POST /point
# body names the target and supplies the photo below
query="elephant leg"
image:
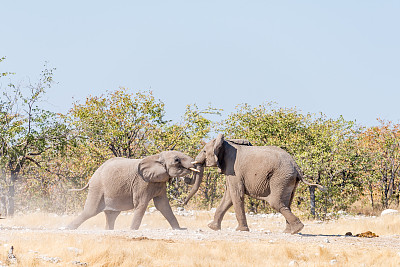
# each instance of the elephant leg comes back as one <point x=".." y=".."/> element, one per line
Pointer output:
<point x="288" y="228"/>
<point x="111" y="216"/>
<point x="236" y="190"/>
<point x="94" y="205"/>
<point x="138" y="214"/>
<point x="223" y="207"/>
<point x="162" y="204"/>
<point x="294" y="223"/>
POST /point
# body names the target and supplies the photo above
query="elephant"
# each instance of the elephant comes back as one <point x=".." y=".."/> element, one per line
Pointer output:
<point x="122" y="184"/>
<point x="263" y="172"/>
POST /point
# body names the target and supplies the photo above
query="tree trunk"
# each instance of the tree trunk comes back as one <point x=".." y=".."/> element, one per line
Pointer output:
<point x="312" y="200"/>
<point x="372" y="200"/>
<point x="11" y="194"/>
<point x="10" y="202"/>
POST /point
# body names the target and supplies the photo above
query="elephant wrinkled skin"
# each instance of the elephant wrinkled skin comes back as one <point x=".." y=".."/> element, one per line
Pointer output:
<point x="123" y="184"/>
<point x="263" y="172"/>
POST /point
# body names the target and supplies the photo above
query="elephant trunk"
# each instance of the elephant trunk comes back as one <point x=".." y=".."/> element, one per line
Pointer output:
<point x="198" y="177"/>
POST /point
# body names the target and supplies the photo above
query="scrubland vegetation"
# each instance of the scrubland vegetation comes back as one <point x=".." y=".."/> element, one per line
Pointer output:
<point x="44" y="153"/>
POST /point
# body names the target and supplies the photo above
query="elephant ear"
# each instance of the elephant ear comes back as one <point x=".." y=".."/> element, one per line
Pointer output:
<point x="219" y="141"/>
<point x="218" y="144"/>
<point x="152" y="169"/>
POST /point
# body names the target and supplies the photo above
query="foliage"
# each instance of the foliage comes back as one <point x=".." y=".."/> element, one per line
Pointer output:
<point x="380" y="150"/>
<point x="27" y="132"/>
<point x="266" y="125"/>
<point x="187" y="136"/>
<point x="329" y="157"/>
<point x="121" y="122"/>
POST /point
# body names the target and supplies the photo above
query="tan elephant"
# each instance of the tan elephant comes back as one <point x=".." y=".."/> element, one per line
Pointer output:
<point x="123" y="184"/>
<point x="263" y="172"/>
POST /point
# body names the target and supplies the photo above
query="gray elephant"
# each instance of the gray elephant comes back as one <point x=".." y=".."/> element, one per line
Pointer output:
<point x="263" y="172"/>
<point x="122" y="184"/>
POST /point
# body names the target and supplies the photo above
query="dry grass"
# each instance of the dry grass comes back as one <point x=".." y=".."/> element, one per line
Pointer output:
<point x="118" y="251"/>
<point x="386" y="225"/>
<point x="107" y="250"/>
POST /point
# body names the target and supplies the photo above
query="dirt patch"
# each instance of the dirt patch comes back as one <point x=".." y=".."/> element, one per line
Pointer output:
<point x="201" y="235"/>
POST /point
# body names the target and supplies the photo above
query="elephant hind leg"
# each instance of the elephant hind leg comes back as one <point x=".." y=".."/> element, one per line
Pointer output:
<point x="93" y="206"/>
<point x="111" y="216"/>
<point x="288" y="228"/>
<point x="293" y="224"/>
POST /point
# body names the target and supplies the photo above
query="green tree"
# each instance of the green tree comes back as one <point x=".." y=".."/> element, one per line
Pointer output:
<point x="328" y="156"/>
<point x="380" y="149"/>
<point x="267" y="125"/>
<point x="189" y="136"/>
<point x="26" y="133"/>
<point x="121" y="122"/>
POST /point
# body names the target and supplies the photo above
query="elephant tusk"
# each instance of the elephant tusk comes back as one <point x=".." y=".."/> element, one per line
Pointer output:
<point x="195" y="162"/>
<point x="193" y="169"/>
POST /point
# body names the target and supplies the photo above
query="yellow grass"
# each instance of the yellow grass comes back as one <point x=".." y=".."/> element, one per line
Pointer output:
<point x="108" y="250"/>
<point x="119" y="251"/>
<point x="386" y="225"/>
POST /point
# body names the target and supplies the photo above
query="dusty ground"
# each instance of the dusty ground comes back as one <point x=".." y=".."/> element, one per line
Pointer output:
<point x="388" y="241"/>
<point x="263" y="227"/>
<point x="266" y="229"/>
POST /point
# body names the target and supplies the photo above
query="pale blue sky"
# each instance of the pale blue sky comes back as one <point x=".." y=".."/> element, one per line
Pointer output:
<point x="335" y="57"/>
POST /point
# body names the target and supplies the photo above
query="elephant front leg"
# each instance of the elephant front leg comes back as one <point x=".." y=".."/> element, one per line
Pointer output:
<point x="138" y="214"/>
<point x="225" y="204"/>
<point x="162" y="204"/>
<point x="236" y="190"/>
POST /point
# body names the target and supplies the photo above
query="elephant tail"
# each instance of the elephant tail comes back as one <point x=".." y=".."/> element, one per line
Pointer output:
<point x="301" y="178"/>
<point x="80" y="189"/>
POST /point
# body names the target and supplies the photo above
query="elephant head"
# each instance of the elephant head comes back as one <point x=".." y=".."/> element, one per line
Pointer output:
<point x="212" y="155"/>
<point x="161" y="167"/>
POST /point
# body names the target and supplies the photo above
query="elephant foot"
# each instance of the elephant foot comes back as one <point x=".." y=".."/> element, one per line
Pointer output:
<point x="214" y="226"/>
<point x="288" y="229"/>
<point x="71" y="227"/>
<point x="179" y="228"/>
<point x="296" y="227"/>
<point x="242" y="228"/>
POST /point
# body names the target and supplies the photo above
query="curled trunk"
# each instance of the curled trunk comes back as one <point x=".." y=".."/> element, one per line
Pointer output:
<point x="198" y="179"/>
